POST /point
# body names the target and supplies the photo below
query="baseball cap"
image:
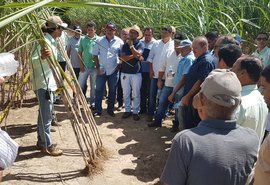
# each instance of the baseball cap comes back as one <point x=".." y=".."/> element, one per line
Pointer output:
<point x="55" y="21"/>
<point x="222" y="87"/>
<point x="111" y="26"/>
<point x="237" y="38"/>
<point x="77" y="28"/>
<point x="185" y="43"/>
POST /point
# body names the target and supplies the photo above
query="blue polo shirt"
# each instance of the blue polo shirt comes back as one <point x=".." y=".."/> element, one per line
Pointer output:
<point x="183" y="69"/>
<point x="200" y="69"/>
<point x="134" y="62"/>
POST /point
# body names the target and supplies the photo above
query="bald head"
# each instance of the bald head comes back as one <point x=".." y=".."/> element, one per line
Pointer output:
<point x="200" y="46"/>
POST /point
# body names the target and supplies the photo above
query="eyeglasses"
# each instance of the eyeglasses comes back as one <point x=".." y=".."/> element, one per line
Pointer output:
<point x="262" y="39"/>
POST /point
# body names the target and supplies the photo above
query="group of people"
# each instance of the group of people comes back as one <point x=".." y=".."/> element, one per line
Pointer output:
<point x="221" y="95"/>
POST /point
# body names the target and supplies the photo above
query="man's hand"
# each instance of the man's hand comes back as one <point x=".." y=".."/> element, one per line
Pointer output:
<point x="130" y="43"/>
<point x="151" y="74"/>
<point x="170" y="98"/>
<point x="45" y="53"/>
<point x="185" y="100"/>
<point x="160" y="84"/>
<point x="82" y="69"/>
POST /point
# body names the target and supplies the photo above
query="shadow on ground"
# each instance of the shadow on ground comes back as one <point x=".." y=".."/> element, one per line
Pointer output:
<point x="45" y="177"/>
<point x="150" y="146"/>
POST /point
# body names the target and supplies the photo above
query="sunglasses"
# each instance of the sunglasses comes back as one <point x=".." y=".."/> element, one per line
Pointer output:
<point x="262" y="39"/>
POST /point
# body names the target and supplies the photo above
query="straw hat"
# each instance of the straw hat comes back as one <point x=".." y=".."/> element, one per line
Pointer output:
<point x="137" y="29"/>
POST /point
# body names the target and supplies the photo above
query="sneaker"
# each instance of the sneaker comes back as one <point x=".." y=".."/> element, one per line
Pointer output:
<point x="52" y="151"/>
<point x="175" y="128"/>
<point x="111" y="113"/>
<point x="149" y="118"/>
<point x="153" y="124"/>
<point x="126" y="115"/>
<point x="96" y="114"/>
<point x="39" y="147"/>
<point x="136" y="117"/>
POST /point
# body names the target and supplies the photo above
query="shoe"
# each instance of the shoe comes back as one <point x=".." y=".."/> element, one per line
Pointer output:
<point x="119" y="108"/>
<point x="96" y="114"/>
<point x="175" y="128"/>
<point x="54" y="123"/>
<point x="149" y="118"/>
<point x="53" y="130"/>
<point x="136" y="117"/>
<point x="52" y="150"/>
<point x="111" y="113"/>
<point x="38" y="147"/>
<point x="153" y="124"/>
<point x="126" y="115"/>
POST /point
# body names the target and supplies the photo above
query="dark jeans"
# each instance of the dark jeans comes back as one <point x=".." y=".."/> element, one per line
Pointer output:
<point x="119" y="93"/>
<point x="191" y="116"/>
<point x="77" y="72"/>
<point x="100" y="86"/>
<point x="145" y="91"/>
<point x="153" y="97"/>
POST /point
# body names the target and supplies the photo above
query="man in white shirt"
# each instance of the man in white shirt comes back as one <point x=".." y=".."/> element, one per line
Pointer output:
<point x="253" y="110"/>
<point x="156" y="54"/>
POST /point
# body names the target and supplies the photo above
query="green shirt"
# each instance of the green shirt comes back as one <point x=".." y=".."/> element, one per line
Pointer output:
<point x="86" y="47"/>
<point x="264" y="55"/>
<point x="42" y="75"/>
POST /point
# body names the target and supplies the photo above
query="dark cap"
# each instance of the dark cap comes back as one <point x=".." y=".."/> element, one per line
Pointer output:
<point x="167" y="28"/>
<point x="77" y="28"/>
<point x="111" y="26"/>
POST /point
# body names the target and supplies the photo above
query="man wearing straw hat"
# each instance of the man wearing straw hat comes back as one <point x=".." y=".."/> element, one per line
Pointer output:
<point x="44" y="84"/>
<point x="131" y="77"/>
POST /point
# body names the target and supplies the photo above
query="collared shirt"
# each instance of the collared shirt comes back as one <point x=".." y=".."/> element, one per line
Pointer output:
<point x="199" y="70"/>
<point x="146" y="51"/>
<point x="253" y="110"/>
<point x="42" y="75"/>
<point x="132" y="66"/>
<point x="63" y="39"/>
<point x="86" y="46"/>
<point x="264" y="55"/>
<point x="170" y="61"/>
<point x="73" y="45"/>
<point x="183" y="69"/>
<point x="157" y="53"/>
<point x="108" y="52"/>
<point x="217" y="152"/>
<point x="8" y="150"/>
<point x="262" y="167"/>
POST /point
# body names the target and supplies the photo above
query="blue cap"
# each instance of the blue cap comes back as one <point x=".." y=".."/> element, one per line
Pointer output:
<point x="185" y="43"/>
<point x="237" y="38"/>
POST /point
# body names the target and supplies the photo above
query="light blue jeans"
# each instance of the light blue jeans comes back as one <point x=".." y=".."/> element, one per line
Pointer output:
<point x="134" y="82"/>
<point x="44" y="117"/>
<point x="83" y="76"/>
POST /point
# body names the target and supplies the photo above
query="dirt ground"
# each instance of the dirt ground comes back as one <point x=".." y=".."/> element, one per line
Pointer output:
<point x="137" y="154"/>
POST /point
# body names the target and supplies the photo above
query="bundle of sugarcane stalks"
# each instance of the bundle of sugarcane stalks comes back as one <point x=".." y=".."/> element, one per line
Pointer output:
<point x="83" y="123"/>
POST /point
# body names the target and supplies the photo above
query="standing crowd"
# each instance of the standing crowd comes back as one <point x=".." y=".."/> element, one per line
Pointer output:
<point x="221" y="96"/>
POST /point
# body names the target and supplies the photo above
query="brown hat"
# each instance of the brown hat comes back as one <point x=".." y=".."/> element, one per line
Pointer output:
<point x="222" y="87"/>
<point x="55" y="21"/>
<point x="137" y="29"/>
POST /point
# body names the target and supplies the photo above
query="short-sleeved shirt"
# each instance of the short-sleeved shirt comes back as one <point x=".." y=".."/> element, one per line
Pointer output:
<point x="108" y="52"/>
<point x="42" y="75"/>
<point x="171" y="60"/>
<point x="73" y="45"/>
<point x="253" y="110"/>
<point x="86" y="46"/>
<point x="8" y="150"/>
<point x="183" y="69"/>
<point x="63" y="39"/>
<point x="146" y="51"/>
<point x="217" y="152"/>
<point x="136" y="66"/>
<point x="264" y="55"/>
<point x="199" y="70"/>
<point x="157" y="54"/>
